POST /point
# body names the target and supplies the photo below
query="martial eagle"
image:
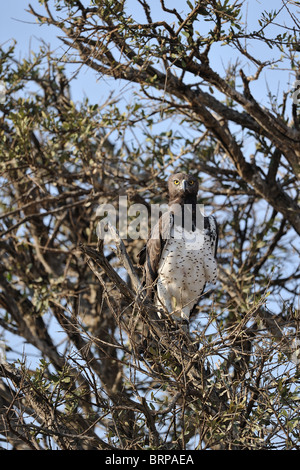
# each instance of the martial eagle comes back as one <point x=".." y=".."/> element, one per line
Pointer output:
<point x="180" y="255"/>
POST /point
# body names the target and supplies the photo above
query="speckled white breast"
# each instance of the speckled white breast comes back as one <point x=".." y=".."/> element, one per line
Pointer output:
<point x="187" y="264"/>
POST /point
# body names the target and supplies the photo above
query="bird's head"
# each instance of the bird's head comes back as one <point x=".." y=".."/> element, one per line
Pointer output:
<point x="183" y="185"/>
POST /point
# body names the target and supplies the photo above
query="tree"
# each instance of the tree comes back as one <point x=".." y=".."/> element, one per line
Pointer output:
<point x="76" y="306"/>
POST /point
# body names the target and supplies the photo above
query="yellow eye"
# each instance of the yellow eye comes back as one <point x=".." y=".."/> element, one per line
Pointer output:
<point x="191" y="183"/>
<point x="176" y="182"/>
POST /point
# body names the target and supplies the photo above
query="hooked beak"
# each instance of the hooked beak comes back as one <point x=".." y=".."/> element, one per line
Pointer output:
<point x="184" y="185"/>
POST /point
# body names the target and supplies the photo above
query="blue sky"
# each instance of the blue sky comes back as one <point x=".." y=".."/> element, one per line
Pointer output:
<point x="16" y="23"/>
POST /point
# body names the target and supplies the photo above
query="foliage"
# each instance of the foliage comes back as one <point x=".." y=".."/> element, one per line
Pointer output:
<point x="71" y="310"/>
